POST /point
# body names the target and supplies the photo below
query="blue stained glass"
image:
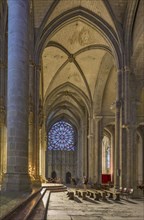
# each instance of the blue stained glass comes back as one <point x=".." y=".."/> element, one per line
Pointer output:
<point x="108" y="158"/>
<point x="61" y="137"/>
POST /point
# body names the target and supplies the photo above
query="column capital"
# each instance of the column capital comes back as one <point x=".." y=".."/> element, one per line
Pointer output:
<point x="90" y="118"/>
<point x="130" y="126"/>
<point x="116" y="104"/>
<point x="90" y="136"/>
<point x="97" y="117"/>
<point x="126" y="68"/>
<point x="31" y="63"/>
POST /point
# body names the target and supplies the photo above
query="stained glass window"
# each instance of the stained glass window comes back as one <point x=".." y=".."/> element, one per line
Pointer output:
<point x="61" y="136"/>
<point x="106" y="154"/>
<point x="108" y="157"/>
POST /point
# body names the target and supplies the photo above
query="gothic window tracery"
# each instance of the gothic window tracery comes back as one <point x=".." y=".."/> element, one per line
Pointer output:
<point x="61" y="136"/>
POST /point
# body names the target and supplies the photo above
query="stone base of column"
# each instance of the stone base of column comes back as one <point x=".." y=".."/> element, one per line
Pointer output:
<point x="138" y="193"/>
<point x="36" y="181"/>
<point x="16" y="183"/>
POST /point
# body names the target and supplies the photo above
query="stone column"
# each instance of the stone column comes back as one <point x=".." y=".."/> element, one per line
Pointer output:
<point x="90" y="156"/>
<point x="126" y="93"/>
<point x="131" y="146"/>
<point x="44" y="148"/>
<point x="84" y="149"/>
<point x="98" y="149"/>
<point x="31" y="139"/>
<point x="124" y="122"/>
<point x="117" y="171"/>
<point x="90" y="149"/>
<point x="112" y="154"/>
<point x="17" y="178"/>
<point x="80" y="152"/>
<point x="129" y="166"/>
<point x="2" y="144"/>
<point x="37" y="123"/>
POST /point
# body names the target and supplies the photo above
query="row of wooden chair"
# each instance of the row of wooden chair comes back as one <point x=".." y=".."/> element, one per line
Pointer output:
<point x="125" y="192"/>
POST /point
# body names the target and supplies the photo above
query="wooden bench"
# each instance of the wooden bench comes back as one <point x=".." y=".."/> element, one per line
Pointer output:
<point x="93" y="194"/>
<point x="102" y="193"/>
<point x="70" y="195"/>
<point x="81" y="193"/>
<point x="113" y="194"/>
<point x="127" y="193"/>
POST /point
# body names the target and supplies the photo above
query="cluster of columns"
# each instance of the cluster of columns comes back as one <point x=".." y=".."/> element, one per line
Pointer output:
<point x="124" y="152"/>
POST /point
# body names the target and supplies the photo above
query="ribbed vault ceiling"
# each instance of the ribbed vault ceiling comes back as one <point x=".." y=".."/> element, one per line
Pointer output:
<point x="78" y="68"/>
<point x="75" y="54"/>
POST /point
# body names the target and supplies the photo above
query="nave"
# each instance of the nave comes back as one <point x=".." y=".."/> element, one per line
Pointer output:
<point x="53" y="203"/>
<point x="71" y="101"/>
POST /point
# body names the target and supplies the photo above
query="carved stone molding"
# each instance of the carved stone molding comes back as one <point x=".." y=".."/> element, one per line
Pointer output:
<point x="98" y="117"/>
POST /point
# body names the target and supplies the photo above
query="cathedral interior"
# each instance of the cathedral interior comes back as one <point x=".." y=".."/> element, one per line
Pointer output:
<point x="71" y="92"/>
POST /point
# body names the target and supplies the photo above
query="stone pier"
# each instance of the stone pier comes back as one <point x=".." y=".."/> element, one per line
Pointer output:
<point x="16" y="177"/>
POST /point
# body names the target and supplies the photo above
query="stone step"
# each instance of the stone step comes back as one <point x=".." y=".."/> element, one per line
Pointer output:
<point x="55" y="187"/>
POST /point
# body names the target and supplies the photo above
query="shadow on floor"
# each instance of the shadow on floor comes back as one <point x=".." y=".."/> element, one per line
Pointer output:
<point x="91" y="200"/>
<point x="76" y="199"/>
<point x="129" y="201"/>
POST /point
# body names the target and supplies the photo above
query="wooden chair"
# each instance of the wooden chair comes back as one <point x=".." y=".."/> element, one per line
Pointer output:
<point x="127" y="192"/>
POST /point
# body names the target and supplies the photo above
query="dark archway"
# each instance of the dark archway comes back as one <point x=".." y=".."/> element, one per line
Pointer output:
<point x="68" y="178"/>
<point x="53" y="175"/>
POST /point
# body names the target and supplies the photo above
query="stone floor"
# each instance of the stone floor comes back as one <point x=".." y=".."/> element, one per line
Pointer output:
<point x="61" y="208"/>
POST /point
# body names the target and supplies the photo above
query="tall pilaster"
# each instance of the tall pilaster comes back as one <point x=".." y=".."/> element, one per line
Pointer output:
<point x="90" y="156"/>
<point x="38" y="117"/>
<point x="98" y="149"/>
<point x="80" y="152"/>
<point x="43" y="152"/>
<point x="2" y="144"/>
<point x="31" y="139"/>
<point x="90" y="149"/>
<point x="112" y="153"/>
<point x="130" y="156"/>
<point x="16" y="177"/>
<point x="84" y="149"/>
<point x="130" y="128"/>
<point x="126" y="93"/>
<point x="117" y="171"/>
<point x="31" y="119"/>
<point x="124" y="122"/>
